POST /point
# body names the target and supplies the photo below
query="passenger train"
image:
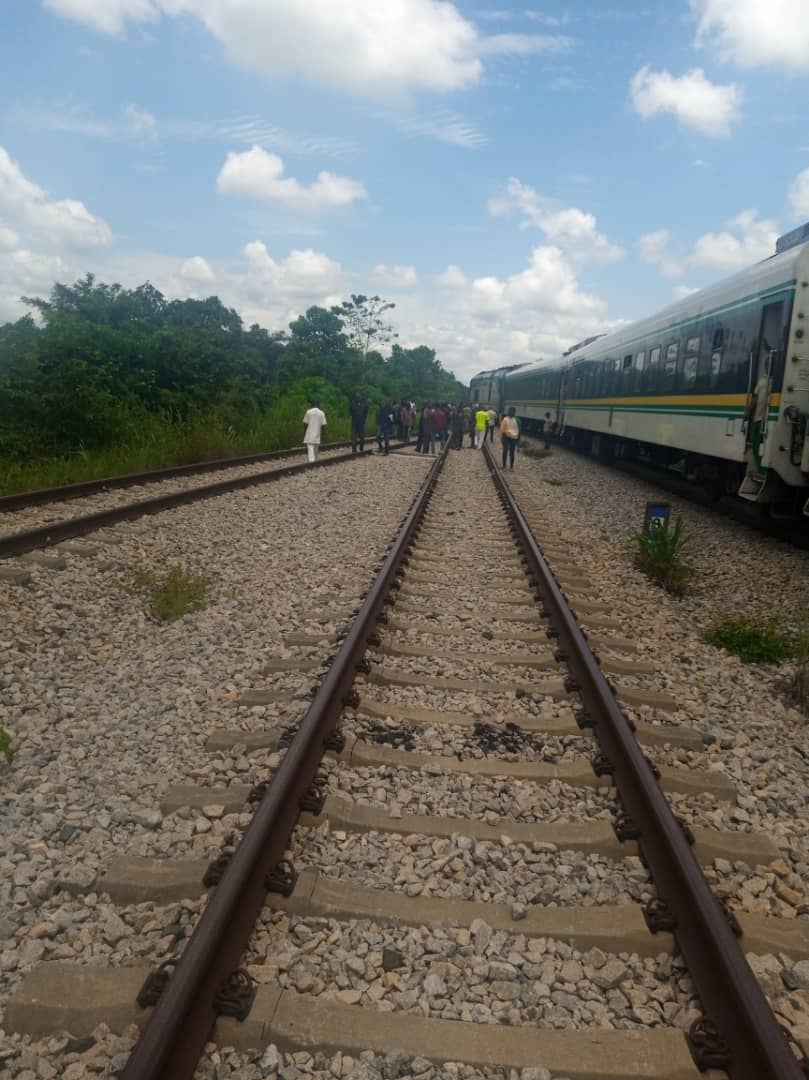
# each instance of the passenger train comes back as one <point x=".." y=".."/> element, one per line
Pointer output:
<point x="716" y="384"/>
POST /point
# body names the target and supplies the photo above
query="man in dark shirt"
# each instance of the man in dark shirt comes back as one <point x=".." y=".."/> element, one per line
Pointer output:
<point x="359" y="413"/>
<point x="384" y="426"/>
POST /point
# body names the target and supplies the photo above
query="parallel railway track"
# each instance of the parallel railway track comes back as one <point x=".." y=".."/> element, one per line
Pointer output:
<point x="738" y="1032"/>
<point x="54" y="532"/>
<point x="41" y="496"/>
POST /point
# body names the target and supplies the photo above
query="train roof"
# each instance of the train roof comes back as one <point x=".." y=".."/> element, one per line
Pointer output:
<point x="496" y="371"/>
<point x="766" y="276"/>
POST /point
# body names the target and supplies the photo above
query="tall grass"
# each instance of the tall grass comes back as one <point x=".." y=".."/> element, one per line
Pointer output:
<point x="162" y="441"/>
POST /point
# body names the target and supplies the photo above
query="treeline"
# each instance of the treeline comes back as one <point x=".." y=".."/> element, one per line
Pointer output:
<point x="105" y="367"/>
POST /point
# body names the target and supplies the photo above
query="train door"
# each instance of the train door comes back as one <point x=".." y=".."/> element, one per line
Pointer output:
<point x="760" y="381"/>
<point x="561" y="404"/>
<point x="764" y="368"/>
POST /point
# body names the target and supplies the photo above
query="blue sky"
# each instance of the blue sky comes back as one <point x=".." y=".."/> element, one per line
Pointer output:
<point x="515" y="178"/>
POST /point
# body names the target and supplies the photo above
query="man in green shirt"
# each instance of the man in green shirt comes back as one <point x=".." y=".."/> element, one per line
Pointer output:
<point x="481" y="421"/>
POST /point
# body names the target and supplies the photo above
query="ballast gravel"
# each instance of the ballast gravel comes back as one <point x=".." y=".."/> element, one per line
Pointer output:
<point x="501" y="872"/>
<point x="474" y="798"/>
<point x="502" y="741"/>
<point x="33" y="517"/>
<point x="750" y="732"/>
<point x="106" y="707"/>
<point x="473" y="974"/>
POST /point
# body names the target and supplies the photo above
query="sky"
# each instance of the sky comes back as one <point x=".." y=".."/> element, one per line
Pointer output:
<point x="513" y="178"/>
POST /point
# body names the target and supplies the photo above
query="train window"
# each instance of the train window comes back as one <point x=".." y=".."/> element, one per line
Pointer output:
<point x="670" y="365"/>
<point x="654" y="357"/>
<point x="692" y="345"/>
<point x="716" y="367"/>
<point x="640" y="360"/>
<point x="690" y="370"/>
<point x="718" y="339"/>
<point x="628" y="361"/>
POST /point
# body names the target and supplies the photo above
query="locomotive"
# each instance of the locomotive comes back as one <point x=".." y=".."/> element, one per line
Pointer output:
<point x="716" y="385"/>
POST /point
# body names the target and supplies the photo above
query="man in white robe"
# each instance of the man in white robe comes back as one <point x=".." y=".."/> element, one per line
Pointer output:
<point x="315" y="421"/>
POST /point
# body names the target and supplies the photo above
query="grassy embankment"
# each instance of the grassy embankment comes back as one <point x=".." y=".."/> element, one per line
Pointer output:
<point x="161" y="442"/>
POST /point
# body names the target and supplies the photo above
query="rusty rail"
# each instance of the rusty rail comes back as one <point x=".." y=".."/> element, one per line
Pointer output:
<point x="176" y="1032"/>
<point x="18" y="500"/>
<point x="58" y="531"/>
<point x="740" y="1033"/>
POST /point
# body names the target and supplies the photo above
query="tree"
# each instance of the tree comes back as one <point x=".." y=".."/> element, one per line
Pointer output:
<point x="362" y="319"/>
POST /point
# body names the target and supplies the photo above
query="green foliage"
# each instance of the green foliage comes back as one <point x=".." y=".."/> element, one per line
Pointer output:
<point x="539" y="453"/>
<point x="361" y="317"/>
<point x="759" y="641"/>
<point x="173" y="594"/>
<point x="553" y="481"/>
<point x="660" y="555"/>
<point x="114" y="380"/>
<point x="5" y="746"/>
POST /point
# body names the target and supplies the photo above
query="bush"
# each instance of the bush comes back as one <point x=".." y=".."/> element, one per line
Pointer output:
<point x="660" y="556"/>
<point x="759" y="641"/>
<point x="5" y="746"/>
<point x="173" y="594"/>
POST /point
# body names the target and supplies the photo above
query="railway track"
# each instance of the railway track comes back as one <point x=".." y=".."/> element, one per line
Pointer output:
<point x="22" y="500"/>
<point x="465" y="592"/>
<point x="34" y="528"/>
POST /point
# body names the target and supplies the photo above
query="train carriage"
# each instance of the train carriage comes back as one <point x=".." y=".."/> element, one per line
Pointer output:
<point x="718" y="381"/>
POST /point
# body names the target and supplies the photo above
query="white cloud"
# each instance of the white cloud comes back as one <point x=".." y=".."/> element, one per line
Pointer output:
<point x="697" y="103"/>
<point x="443" y="126"/>
<point x="653" y="249"/>
<point x="453" y="278"/>
<point x="682" y="292"/>
<point x="307" y="276"/>
<point x="107" y="16"/>
<point x="257" y="174"/>
<point x="524" y="44"/>
<point x="8" y="239"/>
<point x="799" y="195"/>
<point x="198" y="269"/>
<point x="139" y="121"/>
<point x="395" y="276"/>
<point x="66" y="222"/>
<point x="573" y="230"/>
<point x="488" y="320"/>
<point x="746" y="240"/>
<point x="73" y="119"/>
<point x="755" y="34"/>
<point x="27" y="273"/>
<point x="380" y="49"/>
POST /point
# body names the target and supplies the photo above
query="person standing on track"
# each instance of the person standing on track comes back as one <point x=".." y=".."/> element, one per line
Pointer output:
<point x="384" y="426"/>
<point x="315" y="420"/>
<point x="359" y="414"/>
<point x="481" y="422"/>
<point x="491" y="423"/>
<point x="469" y="415"/>
<point x="509" y="433"/>
<point x="458" y="420"/>
<point x="406" y="421"/>
<point x="546" y="431"/>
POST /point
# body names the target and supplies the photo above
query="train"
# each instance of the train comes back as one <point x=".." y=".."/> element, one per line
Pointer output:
<point x="715" y="385"/>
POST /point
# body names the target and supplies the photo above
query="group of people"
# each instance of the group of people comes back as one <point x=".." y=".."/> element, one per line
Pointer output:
<point x="434" y="425"/>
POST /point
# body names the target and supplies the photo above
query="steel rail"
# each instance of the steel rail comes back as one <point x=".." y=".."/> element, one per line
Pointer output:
<point x="175" y="1034"/>
<point x="64" y="493"/>
<point x="731" y="997"/>
<point x="58" y="531"/>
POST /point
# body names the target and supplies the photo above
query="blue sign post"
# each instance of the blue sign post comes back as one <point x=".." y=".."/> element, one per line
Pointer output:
<point x="656" y="517"/>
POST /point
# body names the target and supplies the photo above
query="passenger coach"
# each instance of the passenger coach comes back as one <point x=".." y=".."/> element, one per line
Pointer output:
<point x="718" y="382"/>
